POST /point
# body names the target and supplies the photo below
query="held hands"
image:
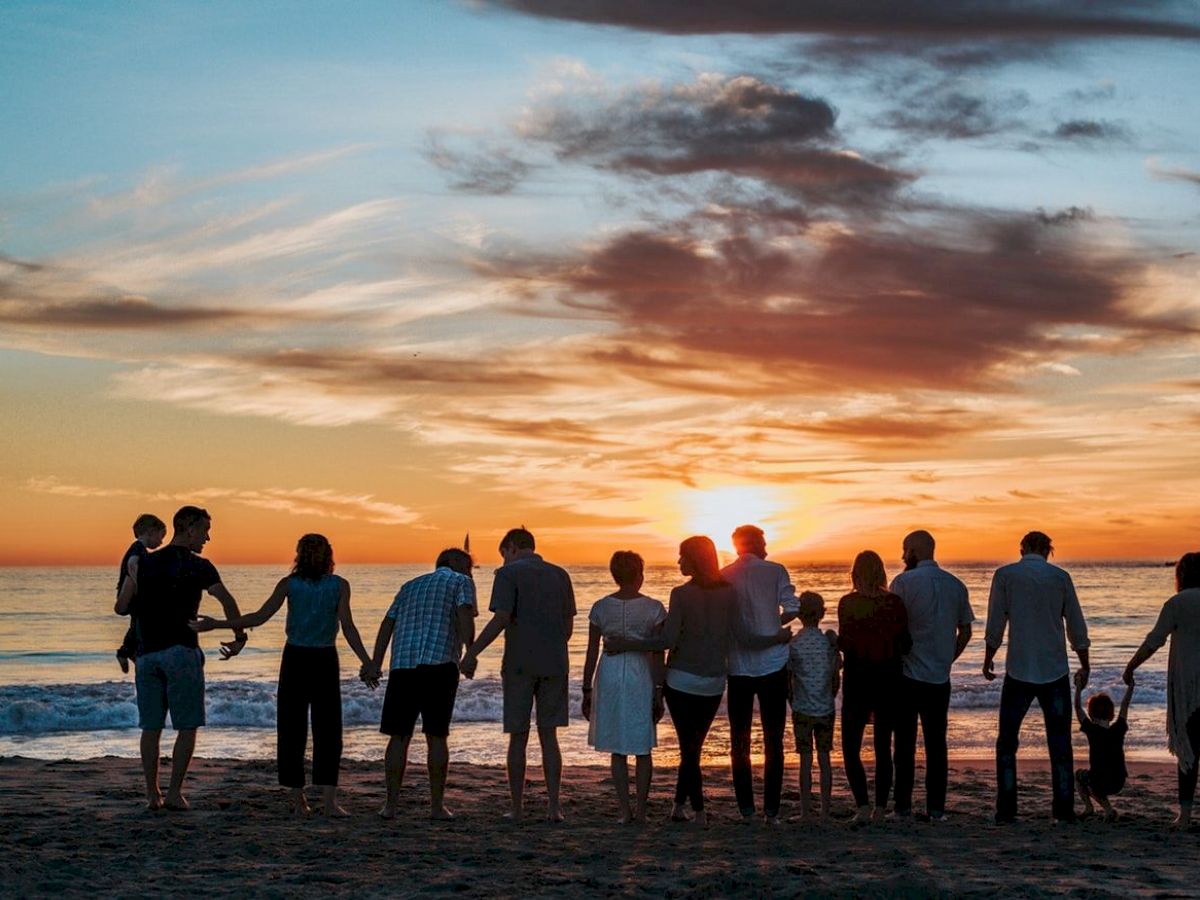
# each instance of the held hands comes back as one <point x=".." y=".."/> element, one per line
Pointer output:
<point x="659" y="707"/>
<point x="586" y="706"/>
<point x="370" y="674"/>
<point x="468" y="665"/>
<point x="989" y="670"/>
<point x="1081" y="678"/>
<point x="200" y="624"/>
<point x="1127" y="676"/>
<point x="784" y="636"/>
<point x="230" y="649"/>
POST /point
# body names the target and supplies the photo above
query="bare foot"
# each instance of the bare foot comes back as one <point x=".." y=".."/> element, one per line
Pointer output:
<point x="299" y="808"/>
<point x="387" y="811"/>
<point x="513" y="817"/>
<point x="1182" y="822"/>
<point x="879" y="815"/>
<point x="862" y="816"/>
<point x="624" y="819"/>
<point x="680" y="814"/>
<point x="441" y="814"/>
<point x="554" y="816"/>
<point x="334" y="811"/>
<point x="176" y="803"/>
<point x="154" y="803"/>
<point x="701" y="819"/>
<point x="1111" y="816"/>
<point x="772" y="821"/>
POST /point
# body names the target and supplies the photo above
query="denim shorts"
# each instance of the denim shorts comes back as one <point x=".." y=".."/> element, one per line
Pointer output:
<point x="170" y="680"/>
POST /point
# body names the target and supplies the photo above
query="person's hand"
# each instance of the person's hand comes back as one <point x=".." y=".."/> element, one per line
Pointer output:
<point x="1127" y="676"/>
<point x="202" y="623"/>
<point x="989" y="670"/>
<point x="784" y="636"/>
<point x="370" y="674"/>
<point x="1081" y="677"/>
<point x="615" y="645"/>
<point x="468" y="665"/>
<point x="230" y="649"/>
<point x="659" y="707"/>
<point x="586" y="706"/>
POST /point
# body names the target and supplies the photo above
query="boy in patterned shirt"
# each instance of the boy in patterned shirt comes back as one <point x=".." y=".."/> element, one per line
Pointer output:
<point x="813" y="664"/>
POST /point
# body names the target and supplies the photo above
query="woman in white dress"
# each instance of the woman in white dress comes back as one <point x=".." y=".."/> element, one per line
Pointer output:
<point x="623" y="703"/>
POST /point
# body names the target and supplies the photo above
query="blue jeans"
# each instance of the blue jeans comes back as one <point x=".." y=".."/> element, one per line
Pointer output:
<point x="1055" y="700"/>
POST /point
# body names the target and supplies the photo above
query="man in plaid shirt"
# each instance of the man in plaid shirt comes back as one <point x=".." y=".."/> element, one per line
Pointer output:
<point x="427" y="624"/>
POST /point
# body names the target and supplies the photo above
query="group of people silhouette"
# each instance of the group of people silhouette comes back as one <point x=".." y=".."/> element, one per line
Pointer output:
<point x="723" y="633"/>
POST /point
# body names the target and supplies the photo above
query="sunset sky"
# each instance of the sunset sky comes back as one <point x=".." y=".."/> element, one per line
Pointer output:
<point x="619" y="271"/>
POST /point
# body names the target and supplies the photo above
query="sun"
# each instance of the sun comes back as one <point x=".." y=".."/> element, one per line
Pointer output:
<point x="717" y="511"/>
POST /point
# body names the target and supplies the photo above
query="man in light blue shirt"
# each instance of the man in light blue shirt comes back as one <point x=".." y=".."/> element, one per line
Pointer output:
<point x="939" y="620"/>
<point x="1033" y="599"/>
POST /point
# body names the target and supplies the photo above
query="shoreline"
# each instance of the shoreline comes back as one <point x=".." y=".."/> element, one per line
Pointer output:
<point x="77" y="827"/>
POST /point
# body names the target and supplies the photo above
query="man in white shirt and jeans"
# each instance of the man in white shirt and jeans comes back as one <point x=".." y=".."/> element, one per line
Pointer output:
<point x="939" y="620"/>
<point x="1034" y="599"/>
<point x="758" y="660"/>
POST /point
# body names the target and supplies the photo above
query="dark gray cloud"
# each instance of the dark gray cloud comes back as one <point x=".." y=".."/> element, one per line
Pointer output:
<point x="937" y="18"/>
<point x="475" y="166"/>
<point x="1091" y="131"/>
<point x="956" y="115"/>
<point x="740" y="126"/>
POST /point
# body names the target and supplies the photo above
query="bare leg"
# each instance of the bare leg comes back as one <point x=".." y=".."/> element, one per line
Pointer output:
<point x="395" y="761"/>
<point x="149" y="747"/>
<point x="1084" y="795"/>
<point x="517" y="742"/>
<point x="439" y="767"/>
<point x="181" y="758"/>
<point x="1184" y="819"/>
<point x="826" y="783"/>
<point x="552" y="770"/>
<point x="620" y="776"/>
<point x="1110" y="814"/>
<point x="806" y="760"/>
<point x="329" y="803"/>
<point x="645" y="774"/>
<point x="298" y="802"/>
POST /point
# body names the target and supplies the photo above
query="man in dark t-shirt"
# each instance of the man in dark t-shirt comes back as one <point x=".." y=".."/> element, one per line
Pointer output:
<point x="164" y="594"/>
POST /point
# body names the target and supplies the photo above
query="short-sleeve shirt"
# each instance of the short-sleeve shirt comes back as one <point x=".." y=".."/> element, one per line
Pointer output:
<point x="539" y="597"/>
<point x="937" y="605"/>
<point x="169" y="584"/>
<point x="812" y="662"/>
<point x="137" y="550"/>
<point x="1106" y="753"/>
<point x="425" y="614"/>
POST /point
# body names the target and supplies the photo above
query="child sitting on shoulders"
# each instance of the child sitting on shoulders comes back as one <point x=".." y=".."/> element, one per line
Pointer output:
<point x="149" y="533"/>
<point x="813" y="665"/>
<point x="1105" y="775"/>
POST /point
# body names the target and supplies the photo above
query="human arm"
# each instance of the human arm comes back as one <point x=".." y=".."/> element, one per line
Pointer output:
<point x="589" y="667"/>
<point x="963" y="638"/>
<point x="789" y="605"/>
<point x="1154" y="640"/>
<point x="966" y="618"/>
<point x="837" y="661"/>
<point x="125" y="596"/>
<point x="616" y="644"/>
<point x="571" y="610"/>
<point x="250" y="620"/>
<point x="1125" y="701"/>
<point x="1080" y="715"/>
<point x="349" y="629"/>
<point x="1077" y="633"/>
<point x="997" y="621"/>
<point x="220" y="593"/>
<point x="492" y="630"/>
<point x="383" y="637"/>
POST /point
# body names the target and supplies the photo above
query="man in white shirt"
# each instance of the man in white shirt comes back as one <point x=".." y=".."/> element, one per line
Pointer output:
<point x="1034" y="599"/>
<point x="758" y="659"/>
<point x="939" y="620"/>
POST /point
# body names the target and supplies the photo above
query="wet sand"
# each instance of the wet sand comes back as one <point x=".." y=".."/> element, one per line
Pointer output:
<point x="78" y="827"/>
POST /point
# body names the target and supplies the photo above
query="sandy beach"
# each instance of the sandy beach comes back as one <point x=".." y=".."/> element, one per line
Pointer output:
<point x="77" y="827"/>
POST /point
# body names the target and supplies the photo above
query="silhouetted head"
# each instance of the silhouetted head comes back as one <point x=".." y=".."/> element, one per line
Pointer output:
<point x="191" y="525"/>
<point x="1037" y="542"/>
<point x="314" y="557"/>
<point x="698" y="560"/>
<point x="1187" y="572"/>
<point x="750" y="539"/>
<point x="515" y="540"/>
<point x="868" y="573"/>
<point x="458" y="560"/>
<point x="1100" y="708"/>
<point x="628" y="569"/>
<point x="812" y="609"/>
<point x="918" y="546"/>
<point x="149" y="529"/>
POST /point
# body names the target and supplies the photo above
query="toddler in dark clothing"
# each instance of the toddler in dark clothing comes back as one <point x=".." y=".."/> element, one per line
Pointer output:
<point x="149" y="533"/>
<point x="1105" y="776"/>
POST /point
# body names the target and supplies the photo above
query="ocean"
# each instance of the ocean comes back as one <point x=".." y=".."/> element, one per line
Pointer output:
<point x="62" y="695"/>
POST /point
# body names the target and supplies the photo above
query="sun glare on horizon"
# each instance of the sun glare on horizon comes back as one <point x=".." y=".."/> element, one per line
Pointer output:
<point x="715" y="512"/>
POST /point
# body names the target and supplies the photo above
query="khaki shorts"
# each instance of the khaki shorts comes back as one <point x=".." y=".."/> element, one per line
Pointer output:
<point x="520" y="692"/>
<point x="813" y="729"/>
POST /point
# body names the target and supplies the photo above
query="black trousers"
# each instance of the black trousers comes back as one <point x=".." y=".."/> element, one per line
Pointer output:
<point x="1054" y="698"/>
<point x="930" y="703"/>
<point x="771" y="691"/>
<point x="309" y="679"/>
<point x="1187" y="780"/>
<point x="692" y="715"/>
<point x="870" y="690"/>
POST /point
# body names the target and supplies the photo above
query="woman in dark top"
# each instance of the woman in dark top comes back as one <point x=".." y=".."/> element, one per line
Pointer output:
<point x="873" y="637"/>
<point x="698" y="632"/>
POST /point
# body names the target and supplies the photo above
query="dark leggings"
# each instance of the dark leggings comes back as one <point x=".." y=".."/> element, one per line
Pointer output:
<point x="1187" y="780"/>
<point x="309" y="677"/>
<point x="692" y="715"/>
<point x="869" y="690"/>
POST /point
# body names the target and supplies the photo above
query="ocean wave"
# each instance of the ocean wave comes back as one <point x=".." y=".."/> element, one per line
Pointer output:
<point x="43" y="709"/>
